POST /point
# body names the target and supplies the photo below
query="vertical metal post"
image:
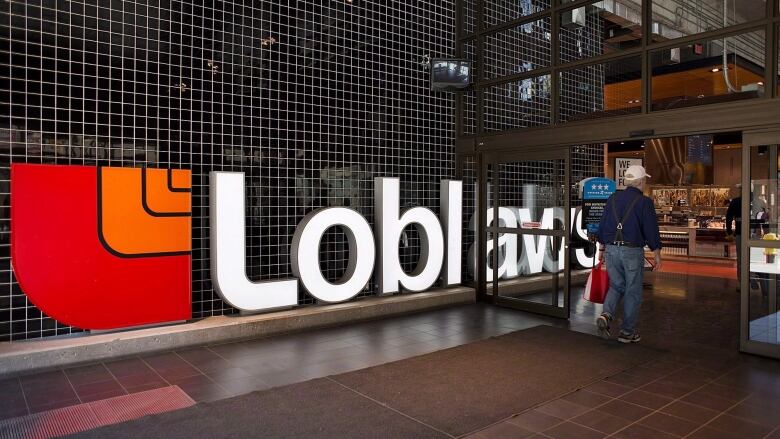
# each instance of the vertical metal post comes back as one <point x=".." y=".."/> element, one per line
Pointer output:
<point x="458" y="111"/>
<point x="568" y="234"/>
<point x="479" y="93"/>
<point x="647" y="68"/>
<point x="480" y="231"/>
<point x="554" y="62"/>
<point x="744" y="247"/>
<point x="495" y="178"/>
<point x="770" y="57"/>
<point x="482" y="180"/>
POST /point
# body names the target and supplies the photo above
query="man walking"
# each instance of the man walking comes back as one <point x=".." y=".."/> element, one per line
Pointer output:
<point x="628" y="224"/>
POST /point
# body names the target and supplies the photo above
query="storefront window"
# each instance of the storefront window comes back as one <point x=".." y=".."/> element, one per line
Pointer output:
<point x="518" y="104"/>
<point x="707" y="72"/>
<point x="608" y="89"/>
<point x="600" y="28"/>
<point x="518" y="50"/>
<point x="680" y="18"/>
<point x="501" y="11"/>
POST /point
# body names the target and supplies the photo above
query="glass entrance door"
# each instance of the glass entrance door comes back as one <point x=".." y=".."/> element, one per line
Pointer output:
<point x="760" y="242"/>
<point x="528" y="225"/>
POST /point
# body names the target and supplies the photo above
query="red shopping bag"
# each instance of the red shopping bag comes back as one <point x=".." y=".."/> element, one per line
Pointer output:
<point x="598" y="284"/>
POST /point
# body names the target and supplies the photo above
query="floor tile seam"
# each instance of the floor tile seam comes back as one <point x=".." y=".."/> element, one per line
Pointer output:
<point x="24" y="395"/>
<point x="155" y="371"/>
<point x="628" y="371"/>
<point x="560" y="397"/>
<point x="724" y="413"/>
<point x="72" y="387"/>
<point x="571" y="421"/>
<point x="213" y="381"/>
<point x="658" y="410"/>
<point x="388" y="407"/>
<point x="90" y="383"/>
<point x="777" y="429"/>
<point x="197" y="369"/>
<point x="602" y="412"/>
<point x="122" y="386"/>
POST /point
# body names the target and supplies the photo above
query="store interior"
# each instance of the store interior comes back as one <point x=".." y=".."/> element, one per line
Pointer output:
<point x="693" y="180"/>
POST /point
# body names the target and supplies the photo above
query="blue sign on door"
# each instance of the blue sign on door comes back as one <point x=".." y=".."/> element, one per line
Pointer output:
<point x="595" y="192"/>
<point x="597" y="188"/>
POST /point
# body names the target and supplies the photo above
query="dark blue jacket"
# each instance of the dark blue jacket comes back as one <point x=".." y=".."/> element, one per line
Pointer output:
<point x="734" y="213"/>
<point x="641" y="226"/>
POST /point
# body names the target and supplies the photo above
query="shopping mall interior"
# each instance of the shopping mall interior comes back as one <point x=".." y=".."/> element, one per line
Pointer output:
<point x="357" y="218"/>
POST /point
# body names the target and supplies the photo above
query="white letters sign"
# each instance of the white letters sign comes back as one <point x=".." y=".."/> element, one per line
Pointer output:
<point x="228" y="267"/>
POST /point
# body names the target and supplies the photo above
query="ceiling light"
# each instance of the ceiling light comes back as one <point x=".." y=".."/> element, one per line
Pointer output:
<point x="760" y="82"/>
<point x="715" y="70"/>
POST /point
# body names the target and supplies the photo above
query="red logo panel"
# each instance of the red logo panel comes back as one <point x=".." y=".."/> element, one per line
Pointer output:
<point x="103" y="248"/>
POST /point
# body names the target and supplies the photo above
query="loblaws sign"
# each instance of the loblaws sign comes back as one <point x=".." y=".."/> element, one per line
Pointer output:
<point x="440" y="246"/>
<point x="104" y="248"/>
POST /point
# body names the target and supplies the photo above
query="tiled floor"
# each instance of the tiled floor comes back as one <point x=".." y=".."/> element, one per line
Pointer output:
<point x="739" y="398"/>
<point x="220" y="371"/>
<point x="702" y="388"/>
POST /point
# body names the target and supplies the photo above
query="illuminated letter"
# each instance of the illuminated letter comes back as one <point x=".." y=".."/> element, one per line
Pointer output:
<point x="507" y="246"/>
<point x="452" y="218"/>
<point x="583" y="259"/>
<point x="389" y="226"/>
<point x="549" y="216"/>
<point x="305" y="253"/>
<point x="228" y="261"/>
<point x="534" y="247"/>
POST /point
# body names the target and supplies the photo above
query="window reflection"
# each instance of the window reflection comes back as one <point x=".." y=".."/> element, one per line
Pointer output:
<point x="680" y="18"/>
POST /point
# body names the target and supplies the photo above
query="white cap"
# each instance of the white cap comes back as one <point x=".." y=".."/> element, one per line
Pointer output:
<point x="635" y="172"/>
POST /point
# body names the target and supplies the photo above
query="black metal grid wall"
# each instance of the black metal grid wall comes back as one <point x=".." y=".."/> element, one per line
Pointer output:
<point x="311" y="99"/>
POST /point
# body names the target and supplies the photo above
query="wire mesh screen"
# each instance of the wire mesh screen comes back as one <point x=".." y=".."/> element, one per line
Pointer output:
<point x="519" y="104"/>
<point x="500" y="11"/>
<point x="311" y="100"/>
<point x="517" y="50"/>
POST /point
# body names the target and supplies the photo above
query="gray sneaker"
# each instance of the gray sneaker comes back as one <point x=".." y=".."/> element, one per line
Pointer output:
<point x="602" y="322"/>
<point x="629" y="338"/>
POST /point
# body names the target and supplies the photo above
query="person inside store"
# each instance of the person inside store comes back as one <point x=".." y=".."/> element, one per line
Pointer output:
<point x="627" y="225"/>
<point x="734" y="215"/>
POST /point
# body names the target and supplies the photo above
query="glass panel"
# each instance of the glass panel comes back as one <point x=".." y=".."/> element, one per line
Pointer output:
<point x="517" y="50"/>
<point x="695" y="74"/>
<point x="679" y="18"/>
<point x="600" y="28"/>
<point x="763" y="295"/>
<point x="601" y="90"/>
<point x="764" y="192"/>
<point x="501" y="11"/>
<point x="543" y="289"/>
<point x="531" y="194"/>
<point x="518" y="104"/>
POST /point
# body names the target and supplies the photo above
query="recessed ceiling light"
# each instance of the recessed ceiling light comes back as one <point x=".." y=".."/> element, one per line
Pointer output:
<point x="715" y="70"/>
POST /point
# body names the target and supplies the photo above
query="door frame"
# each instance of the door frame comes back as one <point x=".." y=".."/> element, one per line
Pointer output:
<point x="484" y="162"/>
<point x="752" y="139"/>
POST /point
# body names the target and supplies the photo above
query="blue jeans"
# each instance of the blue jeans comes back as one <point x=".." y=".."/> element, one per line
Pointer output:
<point x="625" y="266"/>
